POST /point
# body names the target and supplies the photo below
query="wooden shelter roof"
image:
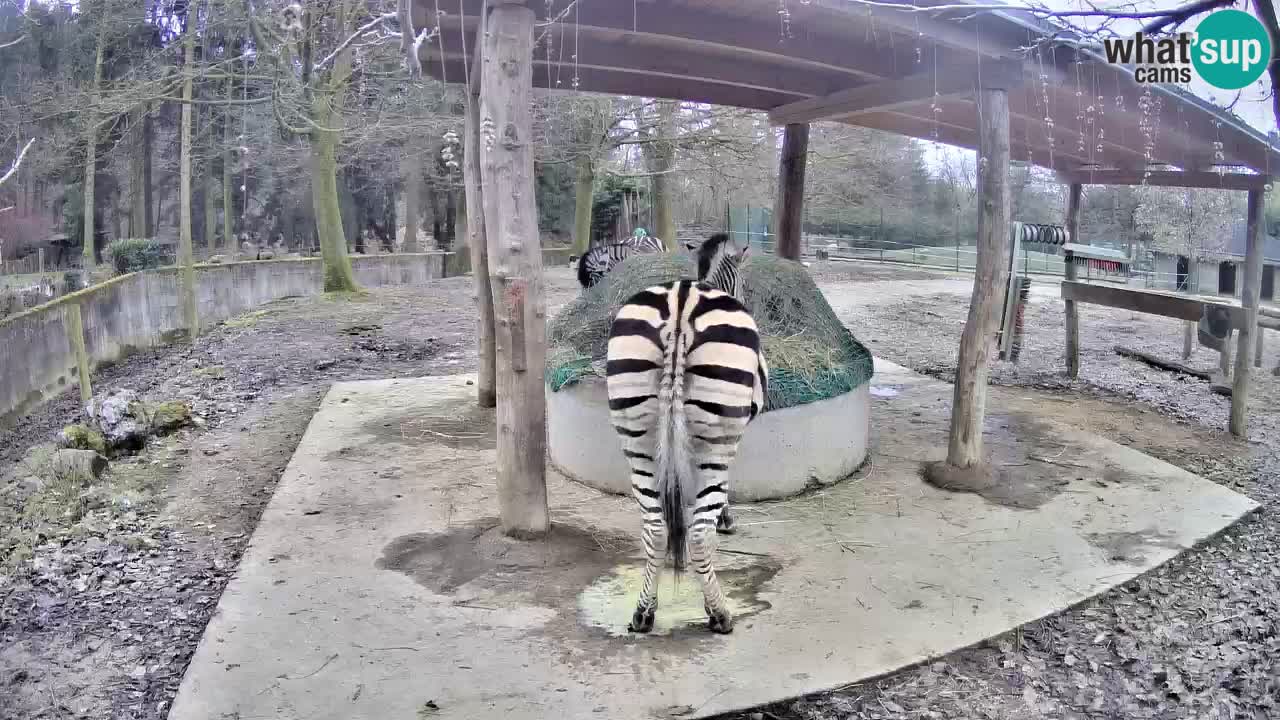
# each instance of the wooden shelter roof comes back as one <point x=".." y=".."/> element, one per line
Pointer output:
<point x="872" y="65"/>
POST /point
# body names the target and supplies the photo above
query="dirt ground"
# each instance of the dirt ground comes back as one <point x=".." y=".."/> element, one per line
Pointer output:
<point x="102" y="620"/>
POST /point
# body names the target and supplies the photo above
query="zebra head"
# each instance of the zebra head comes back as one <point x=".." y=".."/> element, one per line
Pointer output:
<point x="718" y="260"/>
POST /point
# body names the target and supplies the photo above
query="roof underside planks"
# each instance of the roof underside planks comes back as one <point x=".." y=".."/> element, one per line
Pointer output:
<point x="740" y="53"/>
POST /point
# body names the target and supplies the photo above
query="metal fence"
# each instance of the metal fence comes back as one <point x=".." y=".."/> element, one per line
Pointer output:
<point x="957" y="258"/>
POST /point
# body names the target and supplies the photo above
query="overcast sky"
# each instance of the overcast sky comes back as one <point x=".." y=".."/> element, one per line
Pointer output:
<point x="1254" y="106"/>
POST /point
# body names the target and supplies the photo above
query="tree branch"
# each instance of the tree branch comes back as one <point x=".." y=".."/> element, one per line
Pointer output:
<point x="1267" y="10"/>
<point x="360" y="32"/>
<point x="17" y="162"/>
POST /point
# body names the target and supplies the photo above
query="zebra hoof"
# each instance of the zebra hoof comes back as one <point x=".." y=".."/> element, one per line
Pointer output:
<point x="721" y="624"/>
<point x="642" y="620"/>
<point x="725" y="524"/>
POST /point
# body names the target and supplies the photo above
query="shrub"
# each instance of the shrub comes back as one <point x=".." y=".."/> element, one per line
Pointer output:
<point x="134" y="254"/>
<point x="71" y="281"/>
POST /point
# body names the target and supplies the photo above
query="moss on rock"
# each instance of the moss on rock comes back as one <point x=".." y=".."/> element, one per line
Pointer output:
<point x="83" y="437"/>
<point x="169" y="416"/>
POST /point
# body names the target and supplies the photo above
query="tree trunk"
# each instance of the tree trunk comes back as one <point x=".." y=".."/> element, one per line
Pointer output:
<point x="511" y="219"/>
<point x="326" y="111"/>
<point x="137" y="194"/>
<point x="91" y="159"/>
<point x="228" y="158"/>
<point x="186" y="261"/>
<point x="412" y="172"/>
<point x="486" y="384"/>
<point x="789" y="208"/>
<point x="584" y="190"/>
<point x="990" y="274"/>
<point x="148" y="141"/>
<point x="450" y="216"/>
<point x="664" y="160"/>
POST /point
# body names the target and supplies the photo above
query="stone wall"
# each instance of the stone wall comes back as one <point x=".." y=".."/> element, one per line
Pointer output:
<point x="143" y="310"/>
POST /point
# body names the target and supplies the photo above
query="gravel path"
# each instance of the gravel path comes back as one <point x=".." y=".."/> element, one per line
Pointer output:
<point x="103" y="620"/>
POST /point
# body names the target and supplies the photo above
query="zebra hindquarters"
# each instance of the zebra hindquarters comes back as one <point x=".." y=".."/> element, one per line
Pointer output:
<point x="634" y="369"/>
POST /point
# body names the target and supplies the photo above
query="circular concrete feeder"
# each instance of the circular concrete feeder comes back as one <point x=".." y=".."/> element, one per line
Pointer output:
<point x="783" y="452"/>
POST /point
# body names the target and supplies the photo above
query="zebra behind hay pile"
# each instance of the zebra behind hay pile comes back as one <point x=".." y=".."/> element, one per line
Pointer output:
<point x="599" y="260"/>
<point x="685" y="376"/>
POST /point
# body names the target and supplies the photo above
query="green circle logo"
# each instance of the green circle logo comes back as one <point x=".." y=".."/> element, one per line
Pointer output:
<point x="1232" y="49"/>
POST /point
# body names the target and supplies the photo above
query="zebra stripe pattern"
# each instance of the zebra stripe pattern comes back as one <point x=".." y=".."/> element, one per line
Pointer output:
<point x="600" y="259"/>
<point x="685" y="377"/>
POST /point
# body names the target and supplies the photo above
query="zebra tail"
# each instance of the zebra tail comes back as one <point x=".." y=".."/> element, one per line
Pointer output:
<point x="672" y="462"/>
<point x="584" y="277"/>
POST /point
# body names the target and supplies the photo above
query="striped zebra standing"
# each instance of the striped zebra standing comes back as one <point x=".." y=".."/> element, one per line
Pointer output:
<point x="685" y="376"/>
<point x="599" y="260"/>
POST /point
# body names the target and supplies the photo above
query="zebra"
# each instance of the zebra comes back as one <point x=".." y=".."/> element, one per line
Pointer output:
<point x="599" y="260"/>
<point x="685" y="375"/>
<point x="718" y="261"/>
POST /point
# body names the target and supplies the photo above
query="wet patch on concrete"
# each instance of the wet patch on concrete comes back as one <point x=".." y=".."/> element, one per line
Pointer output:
<point x="608" y="603"/>
<point x="478" y="560"/>
<point x="598" y="573"/>
<point x="460" y="424"/>
<point x="1028" y="464"/>
<point x="1130" y="547"/>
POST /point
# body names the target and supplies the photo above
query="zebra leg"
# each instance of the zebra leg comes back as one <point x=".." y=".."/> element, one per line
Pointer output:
<point x="654" y="538"/>
<point x="702" y="547"/>
<point x="725" y="524"/>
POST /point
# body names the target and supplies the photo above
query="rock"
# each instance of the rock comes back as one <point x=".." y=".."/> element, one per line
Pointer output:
<point x="82" y="466"/>
<point x="82" y="437"/>
<point x="125" y="421"/>
<point x="169" y="416"/>
<point x="267" y="255"/>
<point x="217" y="259"/>
<point x="121" y="418"/>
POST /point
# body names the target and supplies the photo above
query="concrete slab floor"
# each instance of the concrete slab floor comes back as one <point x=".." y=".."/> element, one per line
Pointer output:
<point x="376" y="587"/>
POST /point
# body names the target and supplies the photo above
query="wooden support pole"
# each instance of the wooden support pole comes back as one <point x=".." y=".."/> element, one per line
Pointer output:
<point x="515" y="267"/>
<point x="486" y="385"/>
<point x="75" y="336"/>
<point x="1072" y="312"/>
<point x="1257" y="353"/>
<point x="788" y="212"/>
<point x="1224" y="357"/>
<point x="969" y="403"/>
<point x="1249" y="299"/>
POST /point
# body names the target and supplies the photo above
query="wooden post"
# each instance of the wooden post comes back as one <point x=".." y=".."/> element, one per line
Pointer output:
<point x="969" y="403"/>
<point x="1188" y="339"/>
<point x="1224" y="357"/>
<point x="789" y="207"/>
<point x="75" y="336"/>
<point x="1069" y="267"/>
<point x="40" y="259"/>
<point x="1257" y="353"/>
<point x="1249" y="299"/>
<point x="515" y="267"/>
<point x="486" y="392"/>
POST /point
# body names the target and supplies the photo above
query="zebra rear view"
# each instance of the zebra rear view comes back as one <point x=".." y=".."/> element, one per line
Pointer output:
<point x="685" y="377"/>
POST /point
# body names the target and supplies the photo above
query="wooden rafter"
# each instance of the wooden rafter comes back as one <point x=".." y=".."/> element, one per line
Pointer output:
<point x="1167" y="178"/>
<point x="897" y="93"/>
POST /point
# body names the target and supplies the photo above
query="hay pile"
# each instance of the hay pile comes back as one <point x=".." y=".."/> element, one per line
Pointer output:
<point x="811" y="354"/>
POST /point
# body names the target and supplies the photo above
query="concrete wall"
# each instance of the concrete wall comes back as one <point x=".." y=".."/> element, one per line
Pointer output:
<point x="783" y="452"/>
<point x="142" y="310"/>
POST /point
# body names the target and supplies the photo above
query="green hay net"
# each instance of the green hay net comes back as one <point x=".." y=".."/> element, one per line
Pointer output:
<point x="811" y="354"/>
